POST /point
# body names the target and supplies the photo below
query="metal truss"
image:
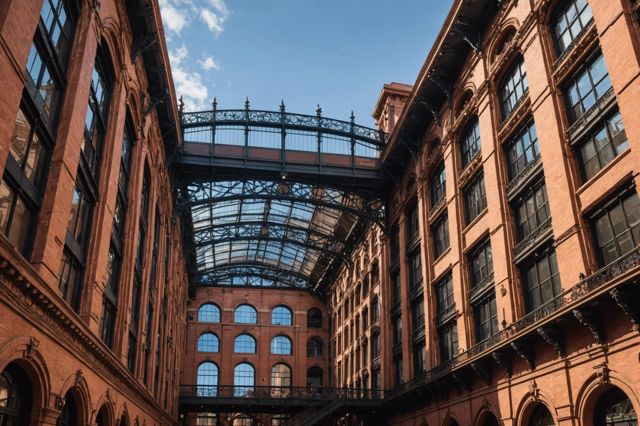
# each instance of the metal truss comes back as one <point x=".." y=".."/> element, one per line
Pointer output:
<point x="246" y="274"/>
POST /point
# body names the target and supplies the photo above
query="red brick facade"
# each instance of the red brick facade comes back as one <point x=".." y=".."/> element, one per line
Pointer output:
<point x="48" y="332"/>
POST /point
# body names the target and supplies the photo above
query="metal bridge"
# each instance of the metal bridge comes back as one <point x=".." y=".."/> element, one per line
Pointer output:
<point x="272" y="198"/>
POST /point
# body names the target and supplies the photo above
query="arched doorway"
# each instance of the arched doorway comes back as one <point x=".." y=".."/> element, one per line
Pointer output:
<point x="614" y="408"/>
<point x="541" y="416"/>
<point x="16" y="397"/>
<point x="102" y="419"/>
<point x="70" y="413"/>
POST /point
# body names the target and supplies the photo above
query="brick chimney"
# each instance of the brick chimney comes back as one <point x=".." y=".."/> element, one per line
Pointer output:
<point x="389" y="106"/>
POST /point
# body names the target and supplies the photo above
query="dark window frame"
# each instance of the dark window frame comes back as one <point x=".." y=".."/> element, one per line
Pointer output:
<point x="475" y="198"/>
<point x="514" y="87"/>
<point x="470" y="144"/>
<point x="438" y="184"/>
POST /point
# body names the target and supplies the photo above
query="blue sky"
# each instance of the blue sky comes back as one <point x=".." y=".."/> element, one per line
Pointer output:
<point x="336" y="53"/>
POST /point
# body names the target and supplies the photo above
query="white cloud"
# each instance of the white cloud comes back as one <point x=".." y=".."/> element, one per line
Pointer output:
<point x="188" y="84"/>
<point x="173" y="18"/>
<point x="212" y="20"/>
<point x="208" y="63"/>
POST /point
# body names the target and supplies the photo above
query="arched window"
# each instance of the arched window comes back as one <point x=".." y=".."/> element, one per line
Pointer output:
<point x="123" y="420"/>
<point x="489" y="419"/>
<point x="614" y="408"/>
<point x="314" y="377"/>
<point x="15" y="391"/>
<point x="207" y="419"/>
<point x="69" y="414"/>
<point x="541" y="416"/>
<point x="513" y="87"/>
<point x="470" y="143"/>
<point x="281" y="315"/>
<point x="244" y="344"/>
<point x="280" y="380"/>
<point x="568" y="23"/>
<point x="243" y="420"/>
<point x="314" y="318"/>
<point x="209" y="313"/>
<point x="207" y="379"/>
<point x="314" y="347"/>
<point x="281" y="345"/>
<point x="245" y="314"/>
<point x="243" y="380"/>
<point x="102" y="419"/>
<point x="208" y="342"/>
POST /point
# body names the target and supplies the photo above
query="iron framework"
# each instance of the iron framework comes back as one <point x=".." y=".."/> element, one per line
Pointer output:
<point x="274" y="198"/>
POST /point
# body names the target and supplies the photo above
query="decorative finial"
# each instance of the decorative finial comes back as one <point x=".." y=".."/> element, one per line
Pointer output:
<point x="246" y="103"/>
<point x="282" y="105"/>
<point x="214" y="104"/>
<point x="181" y="105"/>
<point x="353" y="117"/>
<point x="319" y="111"/>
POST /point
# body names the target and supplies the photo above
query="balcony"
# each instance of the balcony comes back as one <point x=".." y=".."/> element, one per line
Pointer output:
<point x="541" y="234"/>
<point x="578" y="303"/>
<point x="272" y="399"/>
<point x="481" y="288"/>
<point x="446" y="313"/>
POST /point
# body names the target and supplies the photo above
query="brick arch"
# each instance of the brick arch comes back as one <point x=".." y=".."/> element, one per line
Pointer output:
<point x="510" y="25"/>
<point x="594" y="387"/>
<point x="123" y="413"/>
<point x="105" y="401"/>
<point x="78" y="385"/>
<point x="466" y="93"/>
<point x="486" y="410"/>
<point x="450" y="419"/>
<point x="529" y="402"/>
<point x="111" y="41"/>
<point x="24" y="352"/>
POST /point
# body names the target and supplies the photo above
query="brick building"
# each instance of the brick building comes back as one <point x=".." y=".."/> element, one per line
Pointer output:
<point x="476" y="262"/>
<point x="92" y="276"/>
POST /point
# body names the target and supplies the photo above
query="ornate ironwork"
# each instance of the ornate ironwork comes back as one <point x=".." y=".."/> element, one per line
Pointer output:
<point x="592" y="322"/>
<point x="537" y="236"/>
<point x="479" y="289"/>
<point x="246" y="273"/>
<point x="516" y="183"/>
<point x="279" y="393"/>
<point x="567" y="300"/>
<point x="313" y="123"/>
<point x="601" y="106"/>
<point x="446" y="314"/>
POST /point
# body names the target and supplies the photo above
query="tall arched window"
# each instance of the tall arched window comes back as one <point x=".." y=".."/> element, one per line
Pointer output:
<point x="314" y="347"/>
<point x="314" y="318"/>
<point x="243" y="380"/>
<point x="614" y="408"/>
<point x="207" y="379"/>
<point x="281" y="345"/>
<point x="245" y="314"/>
<point x="314" y="377"/>
<point x="208" y="342"/>
<point x="513" y="87"/>
<point x="69" y="414"/>
<point x="541" y="416"/>
<point x="102" y="419"/>
<point x="209" y="313"/>
<point x="16" y="395"/>
<point x="281" y="315"/>
<point x="280" y="380"/>
<point x="244" y="344"/>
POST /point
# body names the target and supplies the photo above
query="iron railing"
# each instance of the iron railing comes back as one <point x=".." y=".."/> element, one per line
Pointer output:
<point x="242" y="392"/>
<point x="534" y="237"/>
<point x="566" y="300"/>
<point x="480" y="288"/>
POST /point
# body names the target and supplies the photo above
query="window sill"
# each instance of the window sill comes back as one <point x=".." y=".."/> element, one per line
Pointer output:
<point x="475" y="220"/>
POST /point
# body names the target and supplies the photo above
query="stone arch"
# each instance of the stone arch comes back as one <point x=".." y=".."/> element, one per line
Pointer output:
<point x="484" y="413"/>
<point x="594" y="387"/>
<point x="77" y="384"/>
<point x="450" y="420"/>
<point x="529" y="402"/>
<point x="463" y="97"/>
<point x="111" y="42"/>
<point x="506" y="33"/>
<point x="104" y="406"/>
<point x="123" y="416"/>
<point x="23" y="351"/>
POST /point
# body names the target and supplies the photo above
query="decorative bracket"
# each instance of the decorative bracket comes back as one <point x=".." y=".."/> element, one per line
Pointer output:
<point x="458" y="30"/>
<point x="157" y="97"/>
<point x="482" y="370"/>
<point x="462" y="379"/>
<point x="436" y="119"/>
<point x="523" y="351"/>
<point x="629" y="305"/>
<point x="503" y="359"/>
<point x="553" y="337"/>
<point x="591" y="321"/>
<point x="142" y="44"/>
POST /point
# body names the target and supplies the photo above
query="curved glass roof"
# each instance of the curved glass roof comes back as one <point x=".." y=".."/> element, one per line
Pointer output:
<point x="268" y="233"/>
